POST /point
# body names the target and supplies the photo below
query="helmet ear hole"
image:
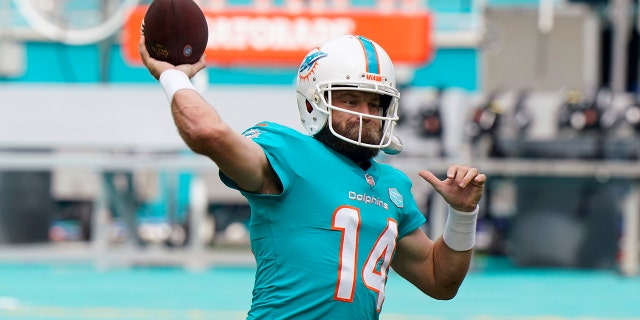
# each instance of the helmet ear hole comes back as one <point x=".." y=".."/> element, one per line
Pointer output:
<point x="309" y="107"/>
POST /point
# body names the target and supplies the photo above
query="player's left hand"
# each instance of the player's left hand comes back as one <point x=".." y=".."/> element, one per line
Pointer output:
<point x="461" y="189"/>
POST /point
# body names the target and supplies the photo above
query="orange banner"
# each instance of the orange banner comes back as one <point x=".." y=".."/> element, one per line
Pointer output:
<point x="248" y="37"/>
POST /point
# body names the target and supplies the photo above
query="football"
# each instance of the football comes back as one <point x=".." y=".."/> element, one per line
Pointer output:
<point x="175" y="31"/>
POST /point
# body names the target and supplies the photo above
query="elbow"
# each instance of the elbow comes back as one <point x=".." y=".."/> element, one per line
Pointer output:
<point x="445" y="294"/>
<point x="444" y="291"/>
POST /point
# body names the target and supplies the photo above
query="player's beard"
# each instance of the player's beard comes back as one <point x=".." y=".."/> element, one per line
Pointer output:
<point x="371" y="134"/>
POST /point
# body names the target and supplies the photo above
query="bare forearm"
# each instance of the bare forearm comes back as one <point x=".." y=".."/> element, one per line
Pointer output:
<point x="431" y="266"/>
<point x="195" y="120"/>
<point x="449" y="269"/>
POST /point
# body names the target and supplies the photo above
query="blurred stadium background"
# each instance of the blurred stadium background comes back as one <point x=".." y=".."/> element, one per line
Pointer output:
<point x="105" y="215"/>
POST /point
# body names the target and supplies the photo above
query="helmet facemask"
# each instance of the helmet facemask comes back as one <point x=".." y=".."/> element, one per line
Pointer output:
<point x="387" y="117"/>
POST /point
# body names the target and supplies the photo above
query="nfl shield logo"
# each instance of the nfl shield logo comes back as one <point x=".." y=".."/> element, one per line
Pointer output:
<point x="370" y="180"/>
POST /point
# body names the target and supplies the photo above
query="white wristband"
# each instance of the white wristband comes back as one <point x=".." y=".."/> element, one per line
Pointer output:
<point x="173" y="80"/>
<point x="460" y="230"/>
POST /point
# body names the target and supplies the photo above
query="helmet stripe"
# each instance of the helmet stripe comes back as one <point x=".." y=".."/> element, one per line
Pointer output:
<point x="370" y="55"/>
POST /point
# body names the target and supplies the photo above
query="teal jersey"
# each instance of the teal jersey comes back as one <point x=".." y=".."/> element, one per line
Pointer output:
<point x="323" y="247"/>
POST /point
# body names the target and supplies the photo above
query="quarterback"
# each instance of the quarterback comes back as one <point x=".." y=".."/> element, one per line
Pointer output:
<point x="329" y="222"/>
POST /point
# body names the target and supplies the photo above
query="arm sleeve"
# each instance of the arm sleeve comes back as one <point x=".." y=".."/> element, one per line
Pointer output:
<point x="411" y="218"/>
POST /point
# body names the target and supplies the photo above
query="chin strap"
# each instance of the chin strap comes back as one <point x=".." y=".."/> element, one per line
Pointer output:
<point x="394" y="147"/>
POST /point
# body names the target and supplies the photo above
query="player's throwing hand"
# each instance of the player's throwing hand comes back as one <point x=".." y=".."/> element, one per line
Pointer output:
<point x="156" y="67"/>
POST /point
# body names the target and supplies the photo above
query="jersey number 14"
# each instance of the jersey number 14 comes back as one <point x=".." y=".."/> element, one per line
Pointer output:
<point x="346" y="219"/>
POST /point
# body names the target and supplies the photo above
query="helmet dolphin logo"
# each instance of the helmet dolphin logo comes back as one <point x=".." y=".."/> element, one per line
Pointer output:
<point x="309" y="61"/>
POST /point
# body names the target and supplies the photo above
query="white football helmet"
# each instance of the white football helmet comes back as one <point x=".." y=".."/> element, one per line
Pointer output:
<point x="348" y="62"/>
